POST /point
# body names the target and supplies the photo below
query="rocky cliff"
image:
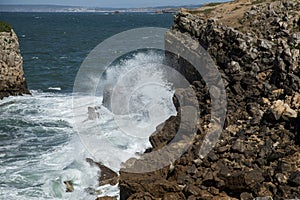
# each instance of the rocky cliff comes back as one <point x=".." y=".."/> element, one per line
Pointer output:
<point x="12" y="80"/>
<point x="255" y="45"/>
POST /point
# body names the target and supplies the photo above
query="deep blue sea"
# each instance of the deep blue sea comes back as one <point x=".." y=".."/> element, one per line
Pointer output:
<point x="39" y="145"/>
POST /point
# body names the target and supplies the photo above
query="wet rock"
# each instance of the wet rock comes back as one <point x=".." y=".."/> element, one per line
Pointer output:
<point x="107" y="176"/>
<point x="92" y="113"/>
<point x="92" y="191"/>
<point x="69" y="186"/>
<point x="107" y="95"/>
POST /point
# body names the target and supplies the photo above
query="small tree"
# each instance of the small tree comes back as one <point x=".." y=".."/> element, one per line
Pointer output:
<point x="5" y="27"/>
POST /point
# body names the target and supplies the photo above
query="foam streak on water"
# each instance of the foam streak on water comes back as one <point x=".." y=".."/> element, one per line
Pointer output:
<point x="40" y="147"/>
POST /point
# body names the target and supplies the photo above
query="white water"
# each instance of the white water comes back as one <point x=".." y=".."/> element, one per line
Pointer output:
<point x="40" y="147"/>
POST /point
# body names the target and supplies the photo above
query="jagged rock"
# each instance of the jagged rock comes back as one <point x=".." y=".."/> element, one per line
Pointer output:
<point x="165" y="132"/>
<point x="107" y="176"/>
<point x="107" y="95"/>
<point x="69" y="186"/>
<point x="92" y="113"/>
<point x="257" y="154"/>
<point x="12" y="80"/>
<point x="281" y="109"/>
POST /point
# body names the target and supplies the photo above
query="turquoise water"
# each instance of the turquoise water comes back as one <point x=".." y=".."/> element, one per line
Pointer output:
<point x="39" y="147"/>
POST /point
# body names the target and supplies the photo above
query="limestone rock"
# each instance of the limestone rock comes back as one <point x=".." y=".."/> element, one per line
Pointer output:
<point x="281" y="109"/>
<point x="12" y="80"/>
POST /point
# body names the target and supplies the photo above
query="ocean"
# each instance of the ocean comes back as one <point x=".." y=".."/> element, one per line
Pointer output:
<point x="40" y="147"/>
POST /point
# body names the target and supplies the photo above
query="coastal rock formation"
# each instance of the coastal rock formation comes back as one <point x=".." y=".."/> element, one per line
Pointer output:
<point x="106" y="176"/>
<point x="258" y="152"/>
<point x="69" y="186"/>
<point x="12" y="80"/>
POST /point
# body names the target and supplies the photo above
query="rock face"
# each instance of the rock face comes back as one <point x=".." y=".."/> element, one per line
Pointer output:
<point x="258" y="152"/>
<point x="106" y="176"/>
<point x="12" y="80"/>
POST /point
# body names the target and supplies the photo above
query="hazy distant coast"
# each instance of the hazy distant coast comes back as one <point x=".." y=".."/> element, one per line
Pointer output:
<point x="56" y="8"/>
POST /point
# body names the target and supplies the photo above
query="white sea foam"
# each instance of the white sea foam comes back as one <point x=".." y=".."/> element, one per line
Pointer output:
<point x="54" y="88"/>
<point x="46" y="150"/>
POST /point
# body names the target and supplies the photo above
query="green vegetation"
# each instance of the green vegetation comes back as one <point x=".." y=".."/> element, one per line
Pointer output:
<point x="212" y="4"/>
<point x="5" y="27"/>
<point x="206" y="11"/>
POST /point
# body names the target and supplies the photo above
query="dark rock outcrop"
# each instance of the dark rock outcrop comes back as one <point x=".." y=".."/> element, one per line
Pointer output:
<point x="106" y="176"/>
<point x="69" y="186"/>
<point x="12" y="80"/>
<point x="258" y="152"/>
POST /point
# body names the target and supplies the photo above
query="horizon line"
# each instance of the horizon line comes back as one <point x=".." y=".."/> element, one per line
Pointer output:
<point x="75" y="6"/>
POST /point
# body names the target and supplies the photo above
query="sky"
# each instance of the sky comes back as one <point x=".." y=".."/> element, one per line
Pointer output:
<point x="110" y="3"/>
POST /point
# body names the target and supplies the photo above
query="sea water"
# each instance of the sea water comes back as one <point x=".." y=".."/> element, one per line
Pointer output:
<point x="40" y="147"/>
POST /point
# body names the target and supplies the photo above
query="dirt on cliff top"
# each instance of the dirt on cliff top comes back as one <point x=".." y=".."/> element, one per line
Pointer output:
<point x="231" y="13"/>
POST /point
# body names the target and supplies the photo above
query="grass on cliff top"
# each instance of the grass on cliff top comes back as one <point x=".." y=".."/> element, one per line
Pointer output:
<point x="212" y="4"/>
<point x="206" y="11"/>
<point x="5" y="27"/>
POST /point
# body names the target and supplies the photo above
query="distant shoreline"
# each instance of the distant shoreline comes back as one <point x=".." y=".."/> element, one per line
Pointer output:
<point x="80" y="9"/>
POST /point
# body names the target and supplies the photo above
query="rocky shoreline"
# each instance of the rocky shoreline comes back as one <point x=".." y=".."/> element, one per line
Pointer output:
<point x="12" y="80"/>
<point x="258" y="153"/>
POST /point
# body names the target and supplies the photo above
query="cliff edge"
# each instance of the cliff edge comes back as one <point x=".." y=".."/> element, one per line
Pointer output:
<point x="12" y="80"/>
<point x="255" y="45"/>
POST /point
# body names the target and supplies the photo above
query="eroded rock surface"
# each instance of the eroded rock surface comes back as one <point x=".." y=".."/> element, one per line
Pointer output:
<point x="258" y="152"/>
<point x="12" y="80"/>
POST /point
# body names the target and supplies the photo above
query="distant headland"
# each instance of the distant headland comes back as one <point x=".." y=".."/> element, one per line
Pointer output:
<point x="60" y="8"/>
